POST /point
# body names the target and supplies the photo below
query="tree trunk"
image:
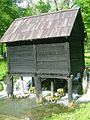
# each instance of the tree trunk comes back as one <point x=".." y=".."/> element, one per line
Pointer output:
<point x="55" y="1"/>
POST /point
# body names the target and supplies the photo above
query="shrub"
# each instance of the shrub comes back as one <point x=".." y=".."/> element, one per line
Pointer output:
<point x="1" y="86"/>
<point x="3" y="69"/>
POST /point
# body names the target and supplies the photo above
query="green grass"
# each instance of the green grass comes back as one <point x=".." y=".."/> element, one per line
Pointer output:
<point x="87" y="57"/>
<point x="51" y="112"/>
<point x="81" y="113"/>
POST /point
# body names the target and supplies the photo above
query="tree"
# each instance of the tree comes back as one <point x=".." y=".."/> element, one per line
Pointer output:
<point x="36" y="8"/>
<point x="85" y="8"/>
<point x="8" y="12"/>
<point x="43" y="7"/>
<point x="66" y="4"/>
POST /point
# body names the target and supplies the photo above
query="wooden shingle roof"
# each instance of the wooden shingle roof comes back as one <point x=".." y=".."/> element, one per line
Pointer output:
<point x="57" y="24"/>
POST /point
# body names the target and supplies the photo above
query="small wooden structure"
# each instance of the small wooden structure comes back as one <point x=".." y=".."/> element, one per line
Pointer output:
<point x="47" y="46"/>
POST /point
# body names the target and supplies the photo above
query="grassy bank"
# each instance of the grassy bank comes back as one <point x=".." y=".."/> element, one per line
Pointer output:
<point x="81" y="113"/>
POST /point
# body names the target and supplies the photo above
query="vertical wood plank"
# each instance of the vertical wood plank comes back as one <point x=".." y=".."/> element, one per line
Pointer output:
<point x="38" y="89"/>
<point x="68" y="56"/>
<point x="8" y="60"/>
<point x="35" y="57"/>
<point x="70" y="97"/>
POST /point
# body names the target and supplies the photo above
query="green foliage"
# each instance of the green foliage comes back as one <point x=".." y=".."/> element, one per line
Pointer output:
<point x="43" y="7"/>
<point x="87" y="57"/>
<point x="8" y="12"/>
<point x="85" y="8"/>
<point x="1" y="86"/>
<point x="81" y="113"/>
<point x="40" y="7"/>
<point x="3" y="69"/>
<point x="29" y="11"/>
<point x="64" y="4"/>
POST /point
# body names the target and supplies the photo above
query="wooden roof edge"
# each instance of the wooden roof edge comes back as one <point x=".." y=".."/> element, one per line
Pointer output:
<point x="33" y="40"/>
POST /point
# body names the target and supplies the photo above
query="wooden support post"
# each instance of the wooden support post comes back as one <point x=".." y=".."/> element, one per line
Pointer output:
<point x="52" y="88"/>
<point x="22" y="86"/>
<point x="70" y="97"/>
<point x="10" y="86"/>
<point x="38" y="89"/>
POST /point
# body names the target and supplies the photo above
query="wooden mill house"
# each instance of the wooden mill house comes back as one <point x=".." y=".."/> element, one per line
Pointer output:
<point x="46" y="46"/>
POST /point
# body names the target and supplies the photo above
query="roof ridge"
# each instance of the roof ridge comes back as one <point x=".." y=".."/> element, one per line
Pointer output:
<point x="43" y="14"/>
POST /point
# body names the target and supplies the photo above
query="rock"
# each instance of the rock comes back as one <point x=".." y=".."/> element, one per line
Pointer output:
<point x="26" y="119"/>
<point x="46" y="93"/>
<point x="32" y="95"/>
<point x="50" y="98"/>
<point x="85" y="97"/>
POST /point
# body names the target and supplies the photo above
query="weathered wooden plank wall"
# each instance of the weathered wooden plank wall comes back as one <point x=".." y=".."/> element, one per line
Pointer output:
<point x="76" y="56"/>
<point x="52" y="58"/>
<point x="40" y="58"/>
<point x="21" y="59"/>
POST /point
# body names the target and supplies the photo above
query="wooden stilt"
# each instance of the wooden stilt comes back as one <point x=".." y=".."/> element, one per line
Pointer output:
<point x="39" y="98"/>
<point x="52" y="88"/>
<point x="70" y="97"/>
<point x="10" y="86"/>
<point x="22" y="85"/>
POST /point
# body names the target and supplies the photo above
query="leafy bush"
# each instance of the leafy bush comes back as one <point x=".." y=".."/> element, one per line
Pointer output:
<point x="3" y="69"/>
<point x="87" y="57"/>
<point x="1" y="86"/>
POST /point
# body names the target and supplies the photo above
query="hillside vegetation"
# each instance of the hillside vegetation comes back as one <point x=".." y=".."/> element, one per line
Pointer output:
<point x="81" y="113"/>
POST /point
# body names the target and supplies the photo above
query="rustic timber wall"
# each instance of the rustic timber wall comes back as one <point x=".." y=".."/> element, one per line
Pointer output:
<point x="52" y="58"/>
<point x="21" y="59"/>
<point x="76" y="57"/>
<point x="40" y="58"/>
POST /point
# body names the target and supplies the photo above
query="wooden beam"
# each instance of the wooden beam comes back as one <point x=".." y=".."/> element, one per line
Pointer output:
<point x="70" y="97"/>
<point x="52" y="88"/>
<point x="38" y="89"/>
<point x="10" y="86"/>
<point x="22" y="85"/>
